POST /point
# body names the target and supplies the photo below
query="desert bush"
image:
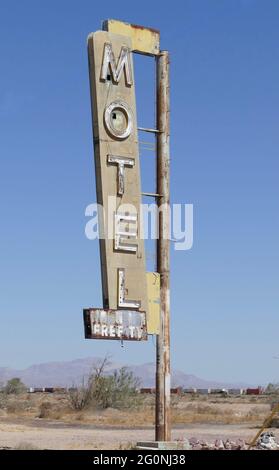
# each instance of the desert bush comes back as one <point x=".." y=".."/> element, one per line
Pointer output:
<point x="117" y="391"/>
<point x="45" y="409"/>
<point x="253" y="415"/>
<point x="272" y="389"/>
<point x="80" y="397"/>
<point x="3" y="401"/>
<point x="16" y="406"/>
<point x="127" y="446"/>
<point x="106" y="391"/>
<point x="48" y="410"/>
<point x="14" y="386"/>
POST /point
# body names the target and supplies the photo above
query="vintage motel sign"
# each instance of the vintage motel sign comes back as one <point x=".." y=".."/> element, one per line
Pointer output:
<point x="117" y="173"/>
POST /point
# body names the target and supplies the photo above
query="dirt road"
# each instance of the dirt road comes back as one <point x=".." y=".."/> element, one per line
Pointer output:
<point x="46" y="434"/>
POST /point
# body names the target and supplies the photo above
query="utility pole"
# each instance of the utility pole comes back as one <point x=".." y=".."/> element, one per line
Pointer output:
<point x="163" y="425"/>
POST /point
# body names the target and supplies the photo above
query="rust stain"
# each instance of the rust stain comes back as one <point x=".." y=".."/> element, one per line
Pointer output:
<point x="137" y="26"/>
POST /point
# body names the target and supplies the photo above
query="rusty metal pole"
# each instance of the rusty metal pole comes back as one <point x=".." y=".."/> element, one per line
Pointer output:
<point x="163" y="425"/>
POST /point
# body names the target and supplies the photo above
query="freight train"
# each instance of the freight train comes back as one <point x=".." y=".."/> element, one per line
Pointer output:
<point x="174" y="391"/>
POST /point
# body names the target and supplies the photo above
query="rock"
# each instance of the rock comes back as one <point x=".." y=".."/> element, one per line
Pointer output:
<point x="203" y="442"/>
<point x="219" y="444"/>
<point x="228" y="445"/>
<point x="240" y="442"/>
<point x="235" y="446"/>
<point x="193" y="441"/>
<point x="211" y="447"/>
<point x="267" y="441"/>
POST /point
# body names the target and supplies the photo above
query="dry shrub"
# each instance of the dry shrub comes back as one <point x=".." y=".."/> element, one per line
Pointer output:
<point x="45" y="410"/>
<point x="16" y="406"/>
<point x="49" y="411"/>
<point x="80" y="397"/>
<point x="127" y="446"/>
<point x="80" y="417"/>
<point x="14" y="386"/>
<point x="3" y="401"/>
<point x="119" y="390"/>
<point x="202" y="413"/>
<point x="201" y="409"/>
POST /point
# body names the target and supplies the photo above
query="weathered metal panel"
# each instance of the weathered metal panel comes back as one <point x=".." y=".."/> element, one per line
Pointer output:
<point x="117" y="170"/>
<point x="114" y="324"/>
<point x="144" y="40"/>
<point x="153" y="314"/>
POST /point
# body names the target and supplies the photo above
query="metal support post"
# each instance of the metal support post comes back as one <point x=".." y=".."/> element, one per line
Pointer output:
<point x="163" y="425"/>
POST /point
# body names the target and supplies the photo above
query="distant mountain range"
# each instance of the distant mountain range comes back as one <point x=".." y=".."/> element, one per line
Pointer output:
<point x="70" y="373"/>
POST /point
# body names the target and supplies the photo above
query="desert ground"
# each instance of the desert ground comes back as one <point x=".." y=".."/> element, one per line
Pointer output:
<point x="48" y="421"/>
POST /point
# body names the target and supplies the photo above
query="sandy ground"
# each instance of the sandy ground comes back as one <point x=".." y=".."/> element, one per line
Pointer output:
<point x="48" y="422"/>
<point x="45" y="434"/>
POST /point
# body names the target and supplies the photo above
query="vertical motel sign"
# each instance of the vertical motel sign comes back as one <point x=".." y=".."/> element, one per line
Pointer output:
<point x="118" y="186"/>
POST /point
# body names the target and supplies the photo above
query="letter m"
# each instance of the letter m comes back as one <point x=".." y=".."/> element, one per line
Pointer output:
<point x="124" y="64"/>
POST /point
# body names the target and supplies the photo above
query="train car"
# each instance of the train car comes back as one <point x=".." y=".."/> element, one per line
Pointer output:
<point x="219" y="391"/>
<point x="176" y="390"/>
<point x="254" y="391"/>
<point x="59" y="389"/>
<point x="147" y="390"/>
<point x="49" y="390"/>
<point x="202" y="391"/>
<point x="235" y="391"/>
<point x="189" y="390"/>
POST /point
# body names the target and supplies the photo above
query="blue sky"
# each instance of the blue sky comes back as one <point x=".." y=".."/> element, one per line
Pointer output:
<point x="224" y="149"/>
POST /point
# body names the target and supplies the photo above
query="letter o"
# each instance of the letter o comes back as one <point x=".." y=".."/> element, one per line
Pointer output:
<point x="118" y="119"/>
